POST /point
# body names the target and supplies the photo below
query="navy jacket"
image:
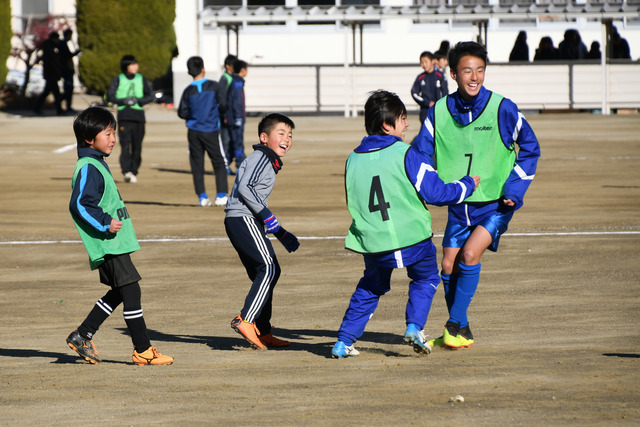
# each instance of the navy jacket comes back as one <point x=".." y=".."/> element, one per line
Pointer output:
<point x="235" y="98"/>
<point x="85" y="198"/>
<point x="201" y="105"/>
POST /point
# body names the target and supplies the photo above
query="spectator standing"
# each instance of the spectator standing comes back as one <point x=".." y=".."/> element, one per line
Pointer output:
<point x="200" y="106"/>
<point x="546" y="51"/>
<point x="619" y="46"/>
<point x="225" y="128"/>
<point x="51" y="72"/>
<point x="67" y="68"/>
<point x="594" y="52"/>
<point x="441" y="62"/>
<point x="520" y="51"/>
<point x="571" y="47"/>
<point x="236" y="111"/>
<point x="424" y="90"/>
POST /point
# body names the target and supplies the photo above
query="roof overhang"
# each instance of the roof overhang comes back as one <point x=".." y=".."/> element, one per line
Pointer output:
<point x="215" y="15"/>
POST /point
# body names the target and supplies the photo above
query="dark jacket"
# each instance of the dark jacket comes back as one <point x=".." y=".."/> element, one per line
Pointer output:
<point x="235" y="97"/>
<point x="130" y="114"/>
<point x="201" y="106"/>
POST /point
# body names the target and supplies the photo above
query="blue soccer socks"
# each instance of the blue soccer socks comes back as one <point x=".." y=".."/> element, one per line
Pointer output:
<point x="449" y="283"/>
<point x="465" y="288"/>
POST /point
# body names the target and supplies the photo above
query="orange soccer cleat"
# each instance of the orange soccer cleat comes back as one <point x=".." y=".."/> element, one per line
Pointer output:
<point x="151" y="356"/>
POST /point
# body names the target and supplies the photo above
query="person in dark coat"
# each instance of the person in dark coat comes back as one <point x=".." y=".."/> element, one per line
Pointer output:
<point x="51" y="72"/>
<point x="520" y="51"/>
<point x="546" y="51"/>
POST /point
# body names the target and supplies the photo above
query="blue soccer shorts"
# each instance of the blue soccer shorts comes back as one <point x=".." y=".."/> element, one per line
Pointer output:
<point x="455" y="235"/>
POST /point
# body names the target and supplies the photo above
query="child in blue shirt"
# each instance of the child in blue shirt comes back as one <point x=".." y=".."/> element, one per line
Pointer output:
<point x="388" y="183"/>
<point x="236" y="113"/>
<point x="201" y="106"/>
<point x="105" y="227"/>
<point x="476" y="130"/>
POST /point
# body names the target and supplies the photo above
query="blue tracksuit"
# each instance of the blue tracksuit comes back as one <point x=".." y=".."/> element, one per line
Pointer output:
<point x="420" y="259"/>
<point x="201" y="106"/>
<point x="236" y="116"/>
<point x="460" y="286"/>
<point x="424" y="91"/>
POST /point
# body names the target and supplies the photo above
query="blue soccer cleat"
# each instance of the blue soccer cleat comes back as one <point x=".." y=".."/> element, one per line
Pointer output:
<point x="342" y="351"/>
<point x="415" y="337"/>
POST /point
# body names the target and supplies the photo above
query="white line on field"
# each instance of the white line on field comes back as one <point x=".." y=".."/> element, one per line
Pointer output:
<point x="224" y="239"/>
<point x="65" y="148"/>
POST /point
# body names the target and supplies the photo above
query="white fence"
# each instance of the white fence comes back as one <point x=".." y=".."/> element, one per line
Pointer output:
<point x="335" y="88"/>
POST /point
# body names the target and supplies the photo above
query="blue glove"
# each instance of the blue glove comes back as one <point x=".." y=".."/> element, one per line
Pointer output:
<point x="288" y="240"/>
<point x="272" y="224"/>
<point x="237" y="122"/>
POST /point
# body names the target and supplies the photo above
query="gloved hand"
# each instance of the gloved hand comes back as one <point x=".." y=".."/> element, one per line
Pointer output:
<point x="131" y="101"/>
<point x="288" y="240"/>
<point x="272" y="224"/>
<point x="237" y="122"/>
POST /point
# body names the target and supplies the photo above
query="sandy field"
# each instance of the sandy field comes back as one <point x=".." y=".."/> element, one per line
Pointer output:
<point x="556" y="317"/>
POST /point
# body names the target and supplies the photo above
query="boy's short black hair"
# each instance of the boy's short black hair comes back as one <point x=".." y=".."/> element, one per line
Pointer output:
<point x="427" y="54"/>
<point x="382" y="107"/>
<point x="90" y="123"/>
<point x="239" y="65"/>
<point x="126" y="61"/>
<point x="230" y="59"/>
<point x="195" y="64"/>
<point x="466" y="49"/>
<point x="270" y="121"/>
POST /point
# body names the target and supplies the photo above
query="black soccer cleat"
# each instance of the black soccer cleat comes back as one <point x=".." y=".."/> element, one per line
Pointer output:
<point x="83" y="346"/>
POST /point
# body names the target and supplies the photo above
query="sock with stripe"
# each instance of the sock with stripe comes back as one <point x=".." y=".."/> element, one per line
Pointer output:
<point x="99" y="313"/>
<point x="133" y="316"/>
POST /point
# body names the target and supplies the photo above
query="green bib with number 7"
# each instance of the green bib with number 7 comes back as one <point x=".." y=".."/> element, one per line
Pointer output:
<point x="475" y="149"/>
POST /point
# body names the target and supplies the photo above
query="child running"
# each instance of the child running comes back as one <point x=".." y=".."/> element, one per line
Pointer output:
<point x="106" y="230"/>
<point x="474" y="130"/>
<point x="387" y="183"/>
<point x="247" y="214"/>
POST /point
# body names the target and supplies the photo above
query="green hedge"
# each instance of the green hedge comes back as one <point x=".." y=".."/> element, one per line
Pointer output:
<point x="5" y="37"/>
<point x="109" y="29"/>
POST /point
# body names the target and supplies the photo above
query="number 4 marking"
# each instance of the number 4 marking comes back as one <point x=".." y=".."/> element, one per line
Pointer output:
<point x="376" y="194"/>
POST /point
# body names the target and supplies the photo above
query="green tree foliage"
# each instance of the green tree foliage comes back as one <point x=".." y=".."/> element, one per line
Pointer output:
<point x="5" y="37"/>
<point x="110" y="29"/>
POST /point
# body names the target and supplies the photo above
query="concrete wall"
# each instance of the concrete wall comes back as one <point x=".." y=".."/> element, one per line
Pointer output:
<point x="305" y="88"/>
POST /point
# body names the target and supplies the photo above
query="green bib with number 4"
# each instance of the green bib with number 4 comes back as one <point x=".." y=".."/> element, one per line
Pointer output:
<point x="387" y="211"/>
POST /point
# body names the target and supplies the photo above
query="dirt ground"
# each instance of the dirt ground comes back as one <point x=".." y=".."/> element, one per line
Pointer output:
<point x="556" y="317"/>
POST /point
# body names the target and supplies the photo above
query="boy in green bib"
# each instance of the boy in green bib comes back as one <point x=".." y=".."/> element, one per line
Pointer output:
<point x="130" y="91"/>
<point x="479" y="132"/>
<point x="105" y="228"/>
<point x="388" y="184"/>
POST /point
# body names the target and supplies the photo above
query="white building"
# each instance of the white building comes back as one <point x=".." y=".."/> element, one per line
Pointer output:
<point x="323" y="53"/>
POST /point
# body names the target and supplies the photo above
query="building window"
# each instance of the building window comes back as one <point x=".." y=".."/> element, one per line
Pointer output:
<point x="221" y="3"/>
